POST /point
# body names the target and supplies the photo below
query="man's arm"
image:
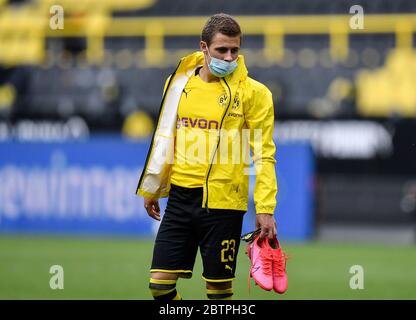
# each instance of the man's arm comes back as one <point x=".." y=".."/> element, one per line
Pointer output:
<point x="260" y="120"/>
<point x="151" y="202"/>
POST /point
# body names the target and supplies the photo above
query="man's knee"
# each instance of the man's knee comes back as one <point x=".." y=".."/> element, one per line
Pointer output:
<point x="219" y="290"/>
<point x="164" y="275"/>
<point x="163" y="286"/>
<point x="218" y="285"/>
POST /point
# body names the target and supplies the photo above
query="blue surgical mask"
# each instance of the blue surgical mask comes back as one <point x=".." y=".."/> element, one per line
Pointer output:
<point x="221" y="68"/>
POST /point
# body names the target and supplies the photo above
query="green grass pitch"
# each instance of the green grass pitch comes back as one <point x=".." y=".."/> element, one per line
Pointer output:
<point x="118" y="269"/>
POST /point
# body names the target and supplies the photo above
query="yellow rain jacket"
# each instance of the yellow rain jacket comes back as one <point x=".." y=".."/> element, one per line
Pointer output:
<point x="249" y="109"/>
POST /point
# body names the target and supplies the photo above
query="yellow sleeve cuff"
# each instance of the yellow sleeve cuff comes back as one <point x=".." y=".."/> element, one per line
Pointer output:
<point x="146" y="194"/>
<point x="265" y="209"/>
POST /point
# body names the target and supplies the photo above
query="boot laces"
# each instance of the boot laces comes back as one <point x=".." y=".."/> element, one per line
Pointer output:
<point x="279" y="259"/>
<point x="266" y="258"/>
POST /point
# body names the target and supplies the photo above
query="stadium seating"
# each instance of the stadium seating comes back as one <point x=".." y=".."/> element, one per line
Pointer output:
<point x="101" y="64"/>
<point x="389" y="91"/>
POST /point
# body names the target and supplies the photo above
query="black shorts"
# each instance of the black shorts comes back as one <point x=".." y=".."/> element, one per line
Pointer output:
<point x="186" y="226"/>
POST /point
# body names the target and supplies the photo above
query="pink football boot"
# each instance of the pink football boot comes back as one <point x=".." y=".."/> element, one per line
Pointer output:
<point x="280" y="281"/>
<point x="260" y="255"/>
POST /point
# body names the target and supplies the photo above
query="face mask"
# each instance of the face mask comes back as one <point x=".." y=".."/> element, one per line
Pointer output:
<point x="221" y="68"/>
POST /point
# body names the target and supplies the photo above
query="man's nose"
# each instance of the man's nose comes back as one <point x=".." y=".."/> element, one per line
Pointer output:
<point x="228" y="56"/>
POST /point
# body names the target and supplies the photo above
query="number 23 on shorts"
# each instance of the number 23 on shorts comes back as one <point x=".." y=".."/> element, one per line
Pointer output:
<point x="228" y="250"/>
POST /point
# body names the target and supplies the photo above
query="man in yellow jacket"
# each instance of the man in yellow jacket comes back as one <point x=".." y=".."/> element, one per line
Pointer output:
<point x="212" y="114"/>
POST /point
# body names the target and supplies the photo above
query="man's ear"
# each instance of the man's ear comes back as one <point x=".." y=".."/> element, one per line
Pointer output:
<point x="203" y="46"/>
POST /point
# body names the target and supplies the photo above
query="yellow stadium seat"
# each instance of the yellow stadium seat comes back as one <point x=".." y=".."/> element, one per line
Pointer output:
<point x="389" y="90"/>
<point x="96" y="5"/>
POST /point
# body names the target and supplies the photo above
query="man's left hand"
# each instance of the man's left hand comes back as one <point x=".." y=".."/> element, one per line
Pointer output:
<point x="267" y="224"/>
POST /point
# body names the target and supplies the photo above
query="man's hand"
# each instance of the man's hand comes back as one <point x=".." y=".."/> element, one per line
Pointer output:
<point x="152" y="208"/>
<point x="267" y="224"/>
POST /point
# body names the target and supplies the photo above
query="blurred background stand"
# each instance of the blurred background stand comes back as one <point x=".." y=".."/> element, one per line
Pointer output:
<point x="347" y="93"/>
